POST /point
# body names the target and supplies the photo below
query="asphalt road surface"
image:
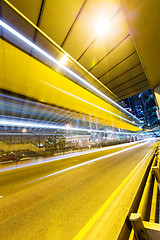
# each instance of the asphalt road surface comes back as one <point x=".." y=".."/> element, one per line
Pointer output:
<point x="56" y="199"/>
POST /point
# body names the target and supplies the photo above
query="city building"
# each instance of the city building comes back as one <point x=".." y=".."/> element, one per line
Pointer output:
<point x="143" y="106"/>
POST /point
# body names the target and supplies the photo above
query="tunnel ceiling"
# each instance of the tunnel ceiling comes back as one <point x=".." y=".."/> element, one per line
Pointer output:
<point x="112" y="57"/>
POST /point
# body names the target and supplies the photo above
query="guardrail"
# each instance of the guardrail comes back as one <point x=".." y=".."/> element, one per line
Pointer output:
<point x="145" y="221"/>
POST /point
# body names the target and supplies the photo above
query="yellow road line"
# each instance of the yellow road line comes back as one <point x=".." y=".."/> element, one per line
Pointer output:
<point x="90" y="223"/>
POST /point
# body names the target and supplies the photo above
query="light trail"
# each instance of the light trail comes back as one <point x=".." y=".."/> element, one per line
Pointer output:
<point x="69" y="155"/>
<point x="16" y="122"/>
<point x="75" y="154"/>
<point x="86" y="163"/>
<point x="34" y="46"/>
<point x="92" y="104"/>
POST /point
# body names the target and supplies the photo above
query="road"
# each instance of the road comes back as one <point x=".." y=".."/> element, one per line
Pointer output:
<point x="56" y="199"/>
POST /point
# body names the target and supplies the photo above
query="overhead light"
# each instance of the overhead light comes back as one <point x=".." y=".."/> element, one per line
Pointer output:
<point x="102" y="26"/>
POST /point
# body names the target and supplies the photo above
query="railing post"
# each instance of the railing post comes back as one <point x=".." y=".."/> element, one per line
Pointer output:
<point x="156" y="173"/>
<point x="158" y="161"/>
<point x="139" y="230"/>
<point x="158" y="157"/>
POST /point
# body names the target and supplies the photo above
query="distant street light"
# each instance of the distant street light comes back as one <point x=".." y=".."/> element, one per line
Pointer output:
<point x="24" y="130"/>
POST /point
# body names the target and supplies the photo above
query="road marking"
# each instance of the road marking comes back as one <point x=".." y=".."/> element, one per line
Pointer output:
<point x="1" y="196"/>
<point x="85" y="163"/>
<point x="98" y="214"/>
<point x="61" y="157"/>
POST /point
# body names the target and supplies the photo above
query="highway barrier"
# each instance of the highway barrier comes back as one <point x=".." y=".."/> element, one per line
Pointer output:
<point x="145" y="223"/>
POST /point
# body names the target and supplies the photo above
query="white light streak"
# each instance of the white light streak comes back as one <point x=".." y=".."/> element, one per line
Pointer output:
<point x="38" y="49"/>
<point x="87" y="163"/>
<point x="92" y="104"/>
<point x="75" y="154"/>
<point x="35" y="124"/>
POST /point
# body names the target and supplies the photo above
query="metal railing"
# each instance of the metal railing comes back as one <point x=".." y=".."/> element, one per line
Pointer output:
<point x="145" y="221"/>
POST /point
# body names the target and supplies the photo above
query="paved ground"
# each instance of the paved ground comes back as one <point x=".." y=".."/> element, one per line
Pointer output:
<point x="38" y="206"/>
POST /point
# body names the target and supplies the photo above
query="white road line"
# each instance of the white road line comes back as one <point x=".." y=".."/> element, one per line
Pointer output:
<point x="57" y="158"/>
<point x="86" y="163"/>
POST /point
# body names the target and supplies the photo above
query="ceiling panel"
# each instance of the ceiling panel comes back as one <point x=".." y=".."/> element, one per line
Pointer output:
<point x="58" y="16"/>
<point x="104" y="44"/>
<point x="122" y="78"/>
<point x="131" y="82"/>
<point x="114" y="57"/>
<point x="122" y="68"/>
<point x="134" y="92"/>
<point x="132" y="87"/>
<point x="29" y="8"/>
<point x="144" y="27"/>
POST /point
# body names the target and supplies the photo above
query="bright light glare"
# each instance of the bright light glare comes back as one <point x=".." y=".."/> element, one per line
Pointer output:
<point x="24" y="130"/>
<point x="102" y="26"/>
<point x="28" y="42"/>
<point x="68" y="126"/>
<point x="63" y="60"/>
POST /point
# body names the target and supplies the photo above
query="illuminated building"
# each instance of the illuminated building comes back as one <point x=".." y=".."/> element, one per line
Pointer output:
<point x="144" y="107"/>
